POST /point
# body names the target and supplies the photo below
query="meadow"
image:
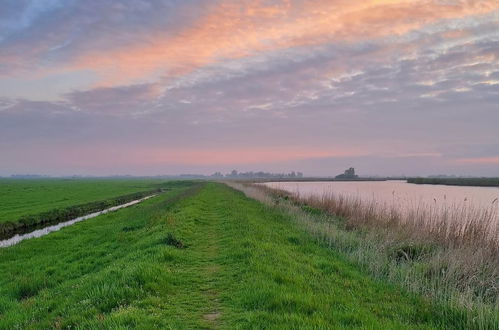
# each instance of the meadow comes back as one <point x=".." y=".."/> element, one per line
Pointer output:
<point x="200" y="255"/>
<point x="20" y="197"/>
<point x="31" y="204"/>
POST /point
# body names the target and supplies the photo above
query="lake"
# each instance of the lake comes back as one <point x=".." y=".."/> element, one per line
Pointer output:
<point x="400" y="194"/>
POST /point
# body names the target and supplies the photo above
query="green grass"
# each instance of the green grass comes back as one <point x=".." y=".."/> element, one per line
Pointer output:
<point x="21" y="197"/>
<point x="462" y="277"/>
<point x="199" y="257"/>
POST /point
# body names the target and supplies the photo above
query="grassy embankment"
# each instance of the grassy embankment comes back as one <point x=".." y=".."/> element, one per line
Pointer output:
<point x="28" y="204"/>
<point x="479" y="182"/>
<point x="205" y="257"/>
<point x="451" y="257"/>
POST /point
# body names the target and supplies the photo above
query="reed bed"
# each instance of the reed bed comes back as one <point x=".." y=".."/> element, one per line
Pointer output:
<point x="450" y="225"/>
<point x="448" y="253"/>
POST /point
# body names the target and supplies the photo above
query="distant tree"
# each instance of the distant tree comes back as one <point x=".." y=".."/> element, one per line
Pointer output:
<point x="348" y="175"/>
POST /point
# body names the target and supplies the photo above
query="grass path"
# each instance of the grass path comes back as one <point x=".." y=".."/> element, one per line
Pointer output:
<point x="210" y="258"/>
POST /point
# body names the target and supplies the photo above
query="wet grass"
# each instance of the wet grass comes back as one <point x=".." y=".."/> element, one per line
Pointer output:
<point x="199" y="257"/>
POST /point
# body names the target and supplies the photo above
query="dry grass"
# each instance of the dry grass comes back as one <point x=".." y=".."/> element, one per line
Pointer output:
<point x="452" y="225"/>
<point x="449" y="254"/>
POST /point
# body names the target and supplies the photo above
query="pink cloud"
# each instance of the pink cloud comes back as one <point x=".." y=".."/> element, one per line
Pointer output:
<point x="206" y="156"/>
<point x="123" y="156"/>
<point x="480" y="160"/>
<point x="239" y="156"/>
<point x="238" y="29"/>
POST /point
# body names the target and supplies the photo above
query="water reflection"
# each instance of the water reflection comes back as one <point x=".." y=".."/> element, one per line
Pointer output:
<point x="400" y="195"/>
<point x="47" y="230"/>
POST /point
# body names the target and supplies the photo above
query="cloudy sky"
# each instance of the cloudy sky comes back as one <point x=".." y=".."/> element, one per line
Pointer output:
<point x="150" y="87"/>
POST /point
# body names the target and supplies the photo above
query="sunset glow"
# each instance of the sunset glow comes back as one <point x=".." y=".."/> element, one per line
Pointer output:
<point x="388" y="86"/>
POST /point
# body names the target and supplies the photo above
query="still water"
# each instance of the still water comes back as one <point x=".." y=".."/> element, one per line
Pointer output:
<point x="399" y="194"/>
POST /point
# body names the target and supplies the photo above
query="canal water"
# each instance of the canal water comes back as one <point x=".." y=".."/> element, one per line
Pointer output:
<point x="47" y="230"/>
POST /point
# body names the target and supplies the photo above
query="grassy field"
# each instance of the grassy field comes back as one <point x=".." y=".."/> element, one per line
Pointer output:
<point x="479" y="182"/>
<point x="198" y="256"/>
<point x="20" y="197"/>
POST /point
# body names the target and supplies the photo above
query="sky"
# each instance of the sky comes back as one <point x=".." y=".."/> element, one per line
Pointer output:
<point x="147" y="87"/>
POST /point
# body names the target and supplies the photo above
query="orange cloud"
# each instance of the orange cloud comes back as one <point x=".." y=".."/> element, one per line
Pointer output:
<point x="232" y="30"/>
<point x="480" y="160"/>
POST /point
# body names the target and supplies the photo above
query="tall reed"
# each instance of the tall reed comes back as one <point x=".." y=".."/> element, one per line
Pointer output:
<point x="447" y="253"/>
<point x="449" y="225"/>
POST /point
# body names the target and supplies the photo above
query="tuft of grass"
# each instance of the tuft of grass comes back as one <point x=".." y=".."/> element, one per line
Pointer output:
<point x="173" y="241"/>
<point x="411" y="251"/>
<point x="132" y="228"/>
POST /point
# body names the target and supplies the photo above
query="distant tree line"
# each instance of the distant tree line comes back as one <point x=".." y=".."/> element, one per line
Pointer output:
<point x="28" y="176"/>
<point x="481" y="182"/>
<point x="256" y="175"/>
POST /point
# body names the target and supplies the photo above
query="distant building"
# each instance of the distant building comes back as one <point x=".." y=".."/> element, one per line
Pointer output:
<point x="257" y="175"/>
<point x="349" y="174"/>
